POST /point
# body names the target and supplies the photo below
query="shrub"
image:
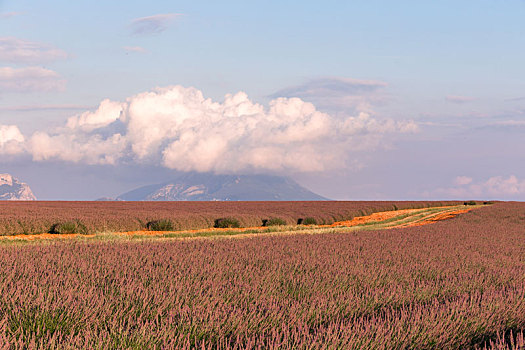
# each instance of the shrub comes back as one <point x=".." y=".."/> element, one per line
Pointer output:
<point x="487" y="203"/>
<point x="227" y="223"/>
<point x="275" y="222"/>
<point x="160" y="225"/>
<point x="309" y="221"/>
<point x="68" y="227"/>
<point x="470" y="203"/>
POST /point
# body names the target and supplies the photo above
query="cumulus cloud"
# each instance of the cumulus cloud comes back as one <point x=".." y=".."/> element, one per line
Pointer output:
<point x="14" y="50"/>
<point x="338" y="94"/>
<point x="495" y="187"/>
<point x="152" y="24"/>
<point x="11" y="140"/>
<point x="459" y="99"/>
<point x="180" y="129"/>
<point x="29" y="79"/>
<point x="107" y="113"/>
<point x="90" y="149"/>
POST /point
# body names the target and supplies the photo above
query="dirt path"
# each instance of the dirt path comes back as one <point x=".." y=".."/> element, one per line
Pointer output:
<point x="433" y="218"/>
<point x="381" y="220"/>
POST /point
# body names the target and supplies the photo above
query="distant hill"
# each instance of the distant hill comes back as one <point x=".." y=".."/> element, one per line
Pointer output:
<point x="209" y="187"/>
<point x="12" y="189"/>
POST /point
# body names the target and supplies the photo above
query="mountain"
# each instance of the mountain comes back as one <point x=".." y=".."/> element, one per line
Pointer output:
<point x="209" y="187"/>
<point x="12" y="189"/>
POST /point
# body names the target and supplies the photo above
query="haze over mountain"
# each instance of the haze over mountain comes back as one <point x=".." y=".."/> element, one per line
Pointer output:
<point x="12" y="189"/>
<point x="207" y="187"/>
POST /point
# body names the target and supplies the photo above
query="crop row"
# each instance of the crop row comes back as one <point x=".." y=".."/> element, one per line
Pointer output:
<point x="95" y="217"/>
<point x="456" y="284"/>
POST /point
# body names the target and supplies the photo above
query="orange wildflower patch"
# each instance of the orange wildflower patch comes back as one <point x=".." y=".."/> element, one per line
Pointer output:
<point x="44" y="236"/>
<point x="430" y="219"/>
<point x="373" y="218"/>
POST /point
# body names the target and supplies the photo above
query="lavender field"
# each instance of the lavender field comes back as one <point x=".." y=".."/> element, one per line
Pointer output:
<point x="38" y="217"/>
<point x="458" y="283"/>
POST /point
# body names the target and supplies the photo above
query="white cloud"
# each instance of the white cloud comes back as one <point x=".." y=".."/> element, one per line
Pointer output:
<point x="495" y="187"/>
<point x="90" y="149"/>
<point x="11" y="140"/>
<point x="107" y="113"/>
<point x="29" y="79"/>
<point x="181" y="129"/>
<point x="14" y="50"/>
<point x="152" y="24"/>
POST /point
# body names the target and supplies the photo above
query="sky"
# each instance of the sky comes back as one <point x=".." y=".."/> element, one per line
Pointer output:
<point x="354" y="100"/>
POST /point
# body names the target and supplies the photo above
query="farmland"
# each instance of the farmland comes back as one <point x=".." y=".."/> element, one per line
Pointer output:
<point x="232" y="228"/>
<point x="39" y="217"/>
<point x="458" y="283"/>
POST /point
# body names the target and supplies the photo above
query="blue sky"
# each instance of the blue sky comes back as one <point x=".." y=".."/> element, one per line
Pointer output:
<point x="427" y="99"/>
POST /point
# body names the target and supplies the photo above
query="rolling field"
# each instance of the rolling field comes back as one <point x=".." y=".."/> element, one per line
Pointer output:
<point x="458" y="283"/>
<point x="97" y="217"/>
<point x="374" y="221"/>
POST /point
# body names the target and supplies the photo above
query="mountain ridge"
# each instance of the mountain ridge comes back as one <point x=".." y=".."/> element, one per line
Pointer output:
<point x="210" y="187"/>
<point x="14" y="190"/>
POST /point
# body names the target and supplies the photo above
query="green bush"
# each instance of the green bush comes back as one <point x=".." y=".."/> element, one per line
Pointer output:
<point x="160" y="225"/>
<point x="275" y="222"/>
<point x="68" y="227"/>
<point x="470" y="203"/>
<point x="309" y="221"/>
<point x="227" y="223"/>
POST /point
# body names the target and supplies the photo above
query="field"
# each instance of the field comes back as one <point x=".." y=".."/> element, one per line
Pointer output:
<point x="97" y="217"/>
<point x="457" y="283"/>
<point x="164" y="229"/>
